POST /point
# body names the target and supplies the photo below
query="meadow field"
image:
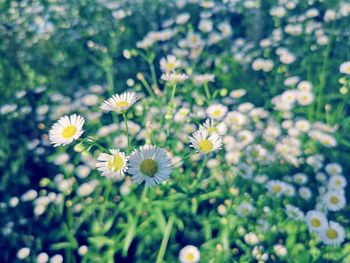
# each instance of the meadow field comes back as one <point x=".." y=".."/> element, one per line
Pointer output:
<point x="186" y="131"/>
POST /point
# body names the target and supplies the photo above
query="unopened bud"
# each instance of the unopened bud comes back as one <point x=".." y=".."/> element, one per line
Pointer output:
<point x="79" y="147"/>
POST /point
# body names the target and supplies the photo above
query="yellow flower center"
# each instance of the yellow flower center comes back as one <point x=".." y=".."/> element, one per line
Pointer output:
<point x="331" y="233"/>
<point x="116" y="163"/>
<point x="206" y="146"/>
<point x="69" y="131"/>
<point x="149" y="167"/>
<point x="255" y="153"/>
<point x="170" y="66"/>
<point x="276" y="188"/>
<point x="234" y="119"/>
<point x="190" y="257"/>
<point x="121" y="104"/>
<point x="213" y="130"/>
<point x="245" y="211"/>
<point x="217" y="113"/>
<point x="334" y="200"/>
<point x="315" y="222"/>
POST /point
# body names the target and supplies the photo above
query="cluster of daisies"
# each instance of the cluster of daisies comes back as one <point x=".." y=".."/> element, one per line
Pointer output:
<point x="331" y="199"/>
<point x="148" y="164"/>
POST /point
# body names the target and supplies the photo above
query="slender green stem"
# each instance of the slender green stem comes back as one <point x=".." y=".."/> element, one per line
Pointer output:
<point x="165" y="240"/>
<point x="127" y="131"/>
<point x="108" y="67"/>
<point x="147" y="86"/>
<point x="170" y="109"/>
<point x="207" y="91"/>
<point x="153" y="73"/>
<point x="92" y="143"/>
<point x="201" y="169"/>
<point x="173" y="91"/>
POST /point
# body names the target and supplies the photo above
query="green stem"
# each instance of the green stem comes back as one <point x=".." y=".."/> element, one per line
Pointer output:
<point x="108" y="67"/>
<point x="92" y="143"/>
<point x="201" y="169"/>
<point x="170" y="108"/>
<point x="148" y="87"/>
<point x="127" y="130"/>
<point x="153" y="73"/>
<point x="207" y="91"/>
<point x="165" y="240"/>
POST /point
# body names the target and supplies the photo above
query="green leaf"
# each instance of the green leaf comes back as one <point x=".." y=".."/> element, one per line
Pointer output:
<point x="160" y="219"/>
<point x="63" y="245"/>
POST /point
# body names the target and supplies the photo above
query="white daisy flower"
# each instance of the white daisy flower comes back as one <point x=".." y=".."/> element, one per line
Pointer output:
<point x="334" y="200"/>
<point x="112" y="166"/>
<point x="251" y="239"/>
<point x="345" y="68"/>
<point x="170" y="63"/>
<point x="120" y="103"/>
<point x="216" y="111"/>
<point x="304" y="86"/>
<point x="211" y="127"/>
<point x="305" y="97"/>
<point x="149" y="164"/>
<point x="315" y="220"/>
<point x="334" y="234"/>
<point x="276" y="187"/>
<point x="294" y="212"/>
<point x="337" y="182"/>
<point x="244" y="209"/>
<point x="238" y="93"/>
<point x="205" y="143"/>
<point x="23" y="253"/>
<point x="305" y="192"/>
<point x="66" y="130"/>
<point x="204" y="78"/>
<point x="189" y="254"/>
<point x="174" y="78"/>
<point x="333" y="168"/>
<point x="280" y="250"/>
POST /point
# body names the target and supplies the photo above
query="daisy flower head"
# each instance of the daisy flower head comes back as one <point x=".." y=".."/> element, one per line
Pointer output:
<point x="345" y="68"/>
<point x="189" y="254"/>
<point x="294" y="212"/>
<point x="305" y="98"/>
<point x="113" y="165"/>
<point x="149" y="164"/>
<point x="315" y="220"/>
<point x="216" y="111"/>
<point x="334" y="169"/>
<point x="211" y="127"/>
<point x="174" y="78"/>
<point x="120" y="103"/>
<point x="337" y="182"/>
<point x="66" y="130"/>
<point x="203" y="78"/>
<point x="170" y="63"/>
<point x="205" y="143"/>
<point x="276" y="187"/>
<point x="333" y="234"/>
<point x="245" y="209"/>
<point x="334" y="200"/>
